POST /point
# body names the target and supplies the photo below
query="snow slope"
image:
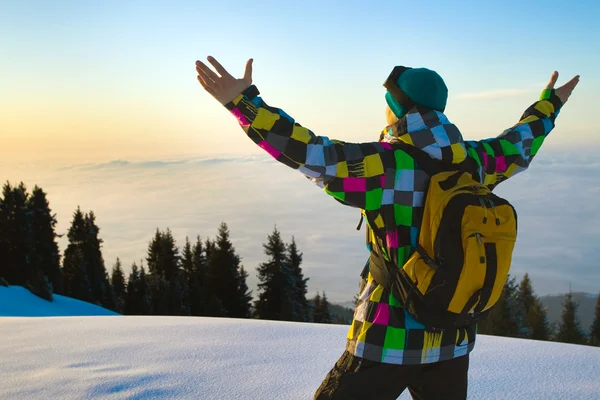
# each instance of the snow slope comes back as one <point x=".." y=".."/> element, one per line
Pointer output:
<point x="123" y="357"/>
<point x="212" y="358"/>
<point x="16" y="301"/>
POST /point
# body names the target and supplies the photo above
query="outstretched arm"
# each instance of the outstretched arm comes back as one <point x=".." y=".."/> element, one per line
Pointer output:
<point x="353" y="173"/>
<point x="510" y="153"/>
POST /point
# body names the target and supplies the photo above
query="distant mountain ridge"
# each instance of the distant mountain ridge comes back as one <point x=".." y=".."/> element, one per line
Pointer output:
<point x="585" y="310"/>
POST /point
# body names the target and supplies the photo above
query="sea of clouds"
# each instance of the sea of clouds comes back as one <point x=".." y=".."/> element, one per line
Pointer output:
<point x="556" y="199"/>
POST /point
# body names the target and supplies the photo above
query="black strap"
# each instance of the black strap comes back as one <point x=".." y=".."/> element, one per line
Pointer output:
<point x="360" y="222"/>
<point x="491" y="271"/>
<point x="471" y="302"/>
<point x="428" y="260"/>
<point x="482" y="296"/>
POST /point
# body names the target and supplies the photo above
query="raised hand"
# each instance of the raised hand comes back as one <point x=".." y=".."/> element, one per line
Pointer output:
<point x="565" y="90"/>
<point x="223" y="86"/>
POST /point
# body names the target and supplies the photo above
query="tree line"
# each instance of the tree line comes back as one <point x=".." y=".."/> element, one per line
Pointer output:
<point x="520" y="313"/>
<point x="206" y="277"/>
<point x="203" y="278"/>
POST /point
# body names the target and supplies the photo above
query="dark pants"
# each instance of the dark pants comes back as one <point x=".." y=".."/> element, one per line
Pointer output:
<point x="354" y="378"/>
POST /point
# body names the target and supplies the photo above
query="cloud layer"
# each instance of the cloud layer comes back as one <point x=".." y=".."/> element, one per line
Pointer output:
<point x="559" y="225"/>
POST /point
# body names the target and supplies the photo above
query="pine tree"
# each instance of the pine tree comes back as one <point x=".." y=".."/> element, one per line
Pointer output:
<point x="163" y="255"/>
<point x="505" y="318"/>
<point x="36" y="258"/>
<point x="75" y="265"/>
<point x="155" y="264"/>
<point x="187" y="266"/>
<point x="44" y="253"/>
<point x="15" y="235"/>
<point x="321" y="313"/>
<point x="244" y="295"/>
<point x="526" y="300"/>
<point x="166" y="286"/>
<point x="540" y="327"/>
<point x="536" y="324"/>
<point x="117" y="281"/>
<point x="198" y="296"/>
<point x="109" y="300"/>
<point x="276" y="285"/>
<point x="209" y="246"/>
<point x="39" y="285"/>
<point x="325" y="313"/>
<point x="301" y="306"/>
<point x="171" y="255"/>
<point x="215" y="307"/>
<point x="77" y="232"/>
<point x="131" y="304"/>
<point x="143" y="293"/>
<point x="97" y="274"/>
<point x="595" y="328"/>
<point x="137" y="299"/>
<point x="223" y="275"/>
<point x="569" y="330"/>
<point x="3" y="243"/>
<point x="316" y="309"/>
<point x="177" y="305"/>
<point x="158" y="291"/>
<point x="76" y="282"/>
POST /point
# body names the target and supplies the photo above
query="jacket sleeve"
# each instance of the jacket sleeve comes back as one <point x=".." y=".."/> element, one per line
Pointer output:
<point x="353" y="173"/>
<point x="510" y="153"/>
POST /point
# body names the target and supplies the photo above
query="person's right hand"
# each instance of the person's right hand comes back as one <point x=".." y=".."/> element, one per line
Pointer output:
<point x="565" y="90"/>
<point x="223" y="86"/>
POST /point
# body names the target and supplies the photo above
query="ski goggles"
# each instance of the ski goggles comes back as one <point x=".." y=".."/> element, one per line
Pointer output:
<point x="392" y="87"/>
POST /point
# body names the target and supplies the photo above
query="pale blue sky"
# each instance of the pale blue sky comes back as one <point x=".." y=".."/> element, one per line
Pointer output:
<point x="116" y="79"/>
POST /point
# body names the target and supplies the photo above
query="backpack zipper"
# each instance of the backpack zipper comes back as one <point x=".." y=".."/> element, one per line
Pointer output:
<point x="493" y="207"/>
<point x="481" y="253"/>
<point x="482" y="202"/>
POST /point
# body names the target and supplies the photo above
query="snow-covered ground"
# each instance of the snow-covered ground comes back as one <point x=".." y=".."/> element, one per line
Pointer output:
<point x="16" y="301"/>
<point x="118" y="357"/>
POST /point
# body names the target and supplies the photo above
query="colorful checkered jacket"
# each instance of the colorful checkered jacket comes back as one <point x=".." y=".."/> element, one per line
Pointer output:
<point x="388" y="187"/>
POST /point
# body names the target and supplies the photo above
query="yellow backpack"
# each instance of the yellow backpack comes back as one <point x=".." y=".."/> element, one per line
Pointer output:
<point x="464" y="249"/>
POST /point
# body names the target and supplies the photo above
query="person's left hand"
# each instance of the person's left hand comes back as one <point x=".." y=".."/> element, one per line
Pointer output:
<point x="563" y="92"/>
<point x="224" y="88"/>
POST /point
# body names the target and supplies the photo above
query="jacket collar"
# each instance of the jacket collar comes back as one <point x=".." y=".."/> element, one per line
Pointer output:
<point x="429" y="131"/>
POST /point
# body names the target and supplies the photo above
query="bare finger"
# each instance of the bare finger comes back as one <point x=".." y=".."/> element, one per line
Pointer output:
<point x="248" y="71"/>
<point x="572" y="83"/>
<point x="204" y="70"/>
<point x="552" y="81"/>
<point x="207" y="79"/>
<point x="206" y="86"/>
<point x="222" y="71"/>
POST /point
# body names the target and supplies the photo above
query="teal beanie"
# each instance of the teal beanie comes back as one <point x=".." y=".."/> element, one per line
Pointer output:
<point x="424" y="86"/>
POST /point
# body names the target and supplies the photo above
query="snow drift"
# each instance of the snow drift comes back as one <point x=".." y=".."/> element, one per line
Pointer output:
<point x="119" y="357"/>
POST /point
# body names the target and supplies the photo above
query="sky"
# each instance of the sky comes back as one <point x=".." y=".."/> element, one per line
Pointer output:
<point x="113" y="79"/>
<point x="99" y="105"/>
<point x="126" y="357"/>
